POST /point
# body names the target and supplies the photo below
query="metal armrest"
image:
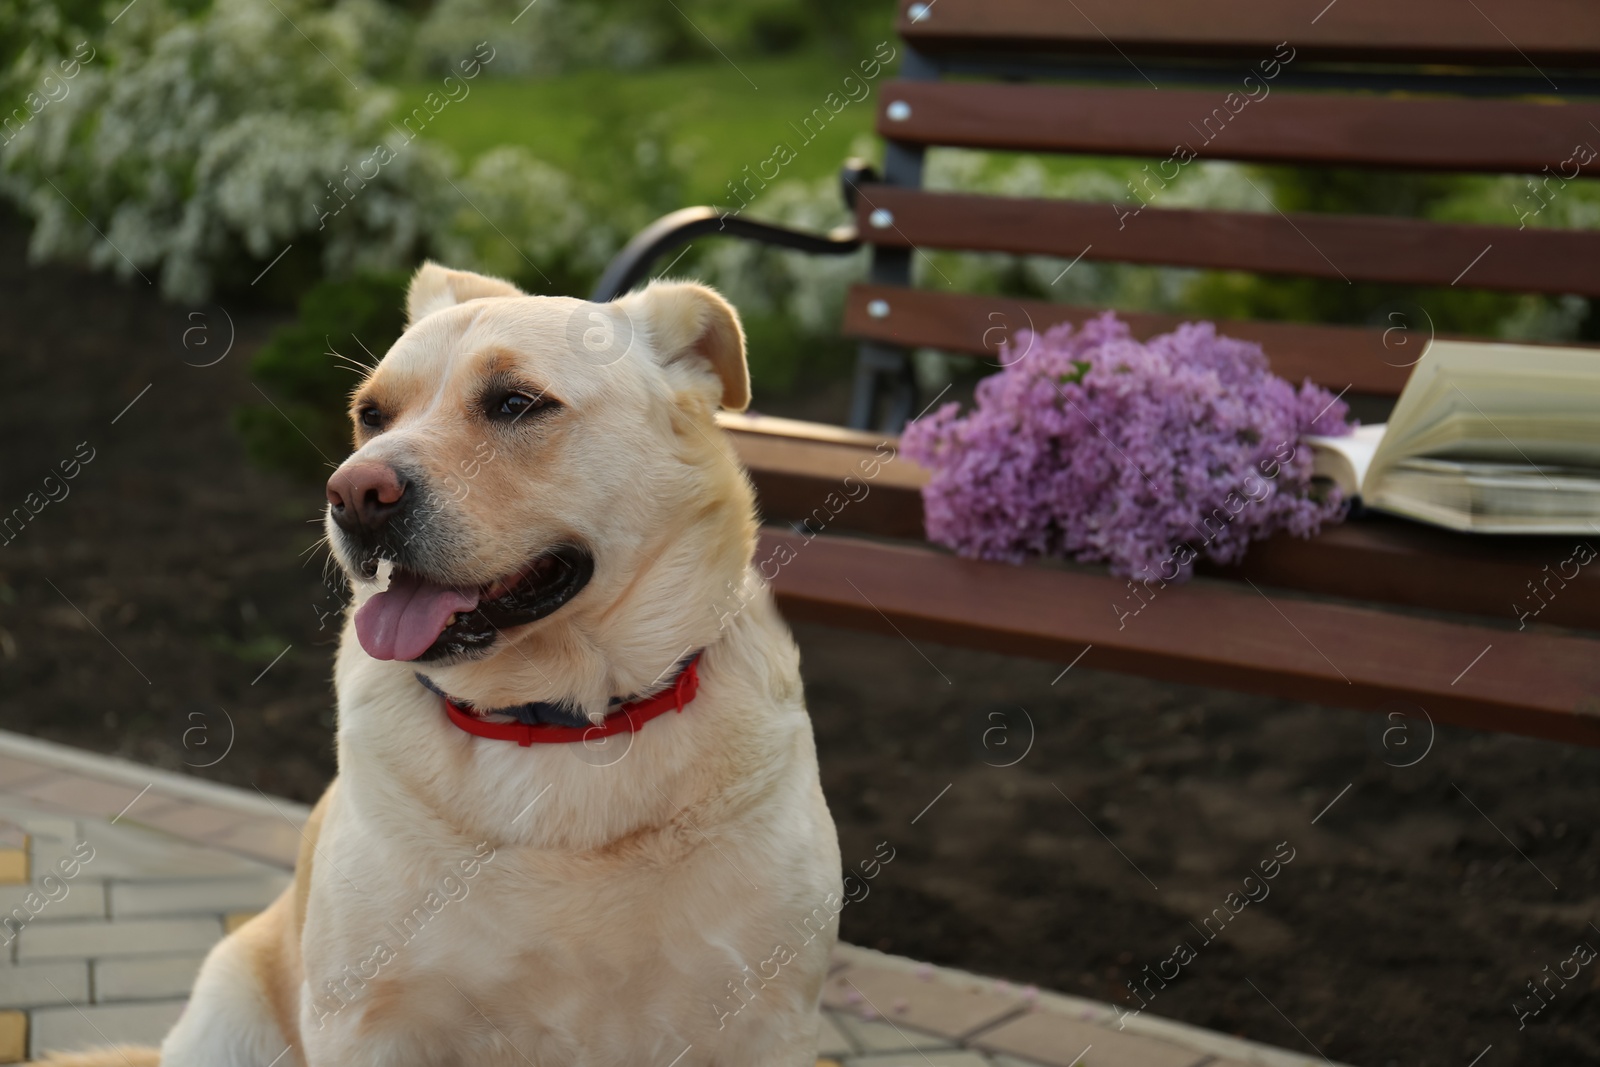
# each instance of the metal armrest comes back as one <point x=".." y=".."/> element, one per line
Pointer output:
<point x="630" y="266"/>
<point x="633" y="263"/>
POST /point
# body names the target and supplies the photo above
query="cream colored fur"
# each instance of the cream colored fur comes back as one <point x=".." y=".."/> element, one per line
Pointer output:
<point x="604" y="905"/>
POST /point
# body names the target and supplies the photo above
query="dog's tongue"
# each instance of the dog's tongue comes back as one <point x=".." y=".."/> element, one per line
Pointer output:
<point x="406" y="618"/>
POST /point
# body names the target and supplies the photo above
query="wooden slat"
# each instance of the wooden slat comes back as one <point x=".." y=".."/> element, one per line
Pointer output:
<point x="1363" y="359"/>
<point x="1499" y="136"/>
<point x="1371" y="559"/>
<point x="799" y="430"/>
<point x="1394" y="561"/>
<point x="795" y="476"/>
<point x="1206" y="633"/>
<point x="1344" y="247"/>
<point x="827" y="477"/>
<point x="1511" y="33"/>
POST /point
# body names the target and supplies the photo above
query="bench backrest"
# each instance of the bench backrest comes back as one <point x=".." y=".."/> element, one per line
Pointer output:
<point x="1430" y="85"/>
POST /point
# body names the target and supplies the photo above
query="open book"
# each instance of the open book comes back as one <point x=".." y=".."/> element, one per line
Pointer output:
<point x="1488" y="438"/>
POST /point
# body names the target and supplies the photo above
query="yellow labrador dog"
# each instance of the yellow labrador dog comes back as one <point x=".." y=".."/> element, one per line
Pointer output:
<point x="578" y="821"/>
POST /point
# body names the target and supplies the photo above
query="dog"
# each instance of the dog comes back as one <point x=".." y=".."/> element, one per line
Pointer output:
<point x="578" y="820"/>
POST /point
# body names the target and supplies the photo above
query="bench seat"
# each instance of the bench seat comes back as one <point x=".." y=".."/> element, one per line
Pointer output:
<point x="1266" y="625"/>
<point x="1211" y="632"/>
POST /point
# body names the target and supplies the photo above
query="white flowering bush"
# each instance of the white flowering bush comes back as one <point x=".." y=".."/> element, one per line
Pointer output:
<point x="807" y="290"/>
<point x="196" y="149"/>
<point x="547" y="37"/>
<point x="381" y="34"/>
<point x="37" y="33"/>
<point x="193" y="150"/>
<point x="519" y="217"/>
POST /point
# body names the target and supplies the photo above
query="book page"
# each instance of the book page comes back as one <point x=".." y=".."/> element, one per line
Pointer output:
<point x="1530" y="404"/>
<point x="1346" y="459"/>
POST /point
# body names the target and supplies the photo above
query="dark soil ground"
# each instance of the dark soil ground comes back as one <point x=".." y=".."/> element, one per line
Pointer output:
<point x="168" y="604"/>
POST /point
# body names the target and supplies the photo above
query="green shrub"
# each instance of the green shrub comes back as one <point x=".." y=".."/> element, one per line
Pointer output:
<point x="552" y="37"/>
<point x="39" y="33"/>
<point x="303" y="427"/>
<point x="522" y="219"/>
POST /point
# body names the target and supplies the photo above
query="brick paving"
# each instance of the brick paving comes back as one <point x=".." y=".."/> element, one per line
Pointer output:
<point x="116" y="878"/>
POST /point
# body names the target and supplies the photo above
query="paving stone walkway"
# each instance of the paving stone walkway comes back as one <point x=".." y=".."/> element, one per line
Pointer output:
<point x="116" y="878"/>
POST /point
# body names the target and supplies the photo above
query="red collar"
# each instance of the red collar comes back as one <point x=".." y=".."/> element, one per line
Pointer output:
<point x="626" y="719"/>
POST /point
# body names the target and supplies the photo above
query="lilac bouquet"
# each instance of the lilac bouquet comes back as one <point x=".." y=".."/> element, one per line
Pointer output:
<point x="1147" y="455"/>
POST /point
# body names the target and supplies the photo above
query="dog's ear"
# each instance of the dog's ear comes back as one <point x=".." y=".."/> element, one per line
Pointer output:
<point x="434" y="288"/>
<point x="693" y="324"/>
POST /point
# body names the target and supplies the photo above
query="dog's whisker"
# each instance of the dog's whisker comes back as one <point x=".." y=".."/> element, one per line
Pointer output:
<point x="374" y="364"/>
<point x="356" y="363"/>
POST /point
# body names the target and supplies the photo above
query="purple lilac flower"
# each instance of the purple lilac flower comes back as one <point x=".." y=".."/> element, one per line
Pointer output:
<point x="1093" y="446"/>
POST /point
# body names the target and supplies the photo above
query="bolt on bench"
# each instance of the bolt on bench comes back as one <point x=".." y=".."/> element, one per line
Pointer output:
<point x="1370" y="612"/>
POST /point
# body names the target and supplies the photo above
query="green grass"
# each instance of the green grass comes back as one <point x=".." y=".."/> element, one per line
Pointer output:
<point x="709" y="109"/>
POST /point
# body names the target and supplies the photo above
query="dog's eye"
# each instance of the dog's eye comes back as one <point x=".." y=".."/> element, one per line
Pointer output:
<point x="512" y="406"/>
<point x="371" y="417"/>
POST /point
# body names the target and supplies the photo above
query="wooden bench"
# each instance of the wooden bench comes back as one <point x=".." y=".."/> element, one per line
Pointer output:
<point x="1369" y="613"/>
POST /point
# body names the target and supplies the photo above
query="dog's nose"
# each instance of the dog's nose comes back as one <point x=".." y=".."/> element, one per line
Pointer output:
<point x="365" y="495"/>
